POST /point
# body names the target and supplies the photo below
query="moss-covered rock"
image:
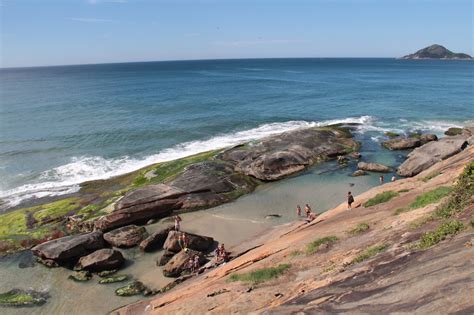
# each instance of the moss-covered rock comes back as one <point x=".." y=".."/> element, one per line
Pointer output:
<point x="133" y="288"/>
<point x="113" y="279"/>
<point x="80" y="276"/>
<point x="453" y="131"/>
<point x="106" y="273"/>
<point x="19" y="298"/>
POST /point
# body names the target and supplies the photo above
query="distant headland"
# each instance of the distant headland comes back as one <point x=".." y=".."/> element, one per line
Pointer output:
<point x="437" y="52"/>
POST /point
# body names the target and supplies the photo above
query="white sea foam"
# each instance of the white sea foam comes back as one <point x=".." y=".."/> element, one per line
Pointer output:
<point x="66" y="178"/>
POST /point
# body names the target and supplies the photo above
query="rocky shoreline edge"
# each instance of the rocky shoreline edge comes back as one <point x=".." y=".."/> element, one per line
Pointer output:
<point x="193" y="183"/>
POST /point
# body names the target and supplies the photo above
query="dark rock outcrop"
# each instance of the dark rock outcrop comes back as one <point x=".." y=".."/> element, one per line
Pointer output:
<point x="155" y="240"/>
<point x="373" y="167"/>
<point x="70" y="248"/>
<point x="278" y="156"/>
<point x="178" y="263"/>
<point x="102" y="259"/>
<point x="436" y="52"/>
<point x="167" y="255"/>
<point x="427" y="155"/>
<point x="359" y="173"/>
<point x="196" y="242"/>
<point x="127" y="236"/>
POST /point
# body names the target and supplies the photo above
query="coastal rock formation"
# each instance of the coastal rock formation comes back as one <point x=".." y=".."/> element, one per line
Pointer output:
<point x="133" y="288"/>
<point x="178" y="263"/>
<point x="427" y="155"/>
<point x="275" y="157"/>
<point x="102" y="259"/>
<point x="200" y="185"/>
<point x="373" y="167"/>
<point x="400" y="143"/>
<point x="155" y="240"/>
<point x="196" y="242"/>
<point x="436" y="52"/>
<point x="127" y="236"/>
<point x="70" y="248"/>
<point x="141" y="205"/>
<point x="359" y="173"/>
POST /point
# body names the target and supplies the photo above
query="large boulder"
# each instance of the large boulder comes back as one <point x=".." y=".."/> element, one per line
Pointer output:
<point x="100" y="260"/>
<point x="70" y="248"/>
<point x="141" y="205"/>
<point x="155" y="240"/>
<point x="179" y="262"/>
<point x="401" y="143"/>
<point x="427" y="155"/>
<point x="127" y="236"/>
<point x="196" y="242"/>
<point x="275" y="157"/>
<point x="165" y="257"/>
<point x="373" y="167"/>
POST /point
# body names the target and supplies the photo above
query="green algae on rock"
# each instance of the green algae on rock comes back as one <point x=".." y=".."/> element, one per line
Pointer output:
<point x="133" y="288"/>
<point x="80" y="276"/>
<point x="113" y="279"/>
<point x="22" y="298"/>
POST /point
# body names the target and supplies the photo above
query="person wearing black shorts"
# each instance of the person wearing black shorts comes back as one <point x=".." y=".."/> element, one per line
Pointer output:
<point x="350" y="200"/>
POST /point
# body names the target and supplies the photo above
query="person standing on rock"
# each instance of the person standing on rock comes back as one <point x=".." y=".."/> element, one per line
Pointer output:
<point x="196" y="264"/>
<point x="350" y="200"/>
<point x="177" y="222"/>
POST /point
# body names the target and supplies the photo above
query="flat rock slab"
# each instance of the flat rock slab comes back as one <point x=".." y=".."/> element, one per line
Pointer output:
<point x="102" y="259"/>
<point x="373" y="167"/>
<point x="400" y="143"/>
<point x="195" y="242"/>
<point x="127" y="236"/>
<point x="427" y="155"/>
<point x="70" y="248"/>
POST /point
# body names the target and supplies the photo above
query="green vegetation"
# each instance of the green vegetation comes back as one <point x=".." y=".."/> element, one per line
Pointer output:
<point x="360" y="228"/>
<point x="295" y="253"/>
<point x="312" y="247"/>
<point x="261" y="275"/>
<point x="431" y="196"/>
<point x="113" y="279"/>
<point x="329" y="268"/>
<point x="392" y="134"/>
<point x="381" y="198"/>
<point x="453" y="131"/>
<point x="430" y="176"/>
<point x="370" y="252"/>
<point x="17" y="297"/>
<point x="462" y="192"/>
<point x="404" y="190"/>
<point x="55" y="209"/>
<point x="444" y="230"/>
<point x="133" y="288"/>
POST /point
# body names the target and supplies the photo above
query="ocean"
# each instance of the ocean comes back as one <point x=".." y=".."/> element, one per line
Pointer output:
<point x="63" y="125"/>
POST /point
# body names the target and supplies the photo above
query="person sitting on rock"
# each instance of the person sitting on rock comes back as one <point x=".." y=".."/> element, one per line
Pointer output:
<point x="190" y="265"/>
<point x="177" y="222"/>
<point x="311" y="216"/>
<point x="221" y="254"/>
<point x="394" y="178"/>
<point x="307" y="210"/>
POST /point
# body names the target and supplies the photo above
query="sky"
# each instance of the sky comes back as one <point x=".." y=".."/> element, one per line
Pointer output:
<point x="59" y="32"/>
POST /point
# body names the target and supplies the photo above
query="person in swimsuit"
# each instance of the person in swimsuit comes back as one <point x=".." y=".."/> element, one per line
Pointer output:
<point x="350" y="200"/>
<point x="298" y="210"/>
<point x="307" y="210"/>
<point x="177" y="222"/>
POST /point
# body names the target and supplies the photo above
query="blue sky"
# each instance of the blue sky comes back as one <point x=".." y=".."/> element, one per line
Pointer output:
<point x="52" y="32"/>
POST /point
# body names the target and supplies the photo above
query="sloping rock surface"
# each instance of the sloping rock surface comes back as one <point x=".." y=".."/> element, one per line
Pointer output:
<point x="427" y="155"/>
<point x="70" y="247"/>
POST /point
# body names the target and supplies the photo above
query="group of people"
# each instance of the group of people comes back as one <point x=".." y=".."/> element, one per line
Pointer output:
<point x="193" y="264"/>
<point x="310" y="215"/>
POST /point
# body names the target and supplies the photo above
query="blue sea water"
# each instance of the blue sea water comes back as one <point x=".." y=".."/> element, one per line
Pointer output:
<point x="60" y="126"/>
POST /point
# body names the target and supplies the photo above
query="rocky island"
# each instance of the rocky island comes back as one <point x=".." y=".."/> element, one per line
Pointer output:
<point x="437" y="52"/>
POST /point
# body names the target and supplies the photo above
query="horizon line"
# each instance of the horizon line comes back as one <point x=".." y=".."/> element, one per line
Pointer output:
<point x="177" y="60"/>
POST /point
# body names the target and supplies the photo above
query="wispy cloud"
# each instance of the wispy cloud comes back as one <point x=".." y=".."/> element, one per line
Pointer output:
<point x="90" y="20"/>
<point x="256" y="42"/>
